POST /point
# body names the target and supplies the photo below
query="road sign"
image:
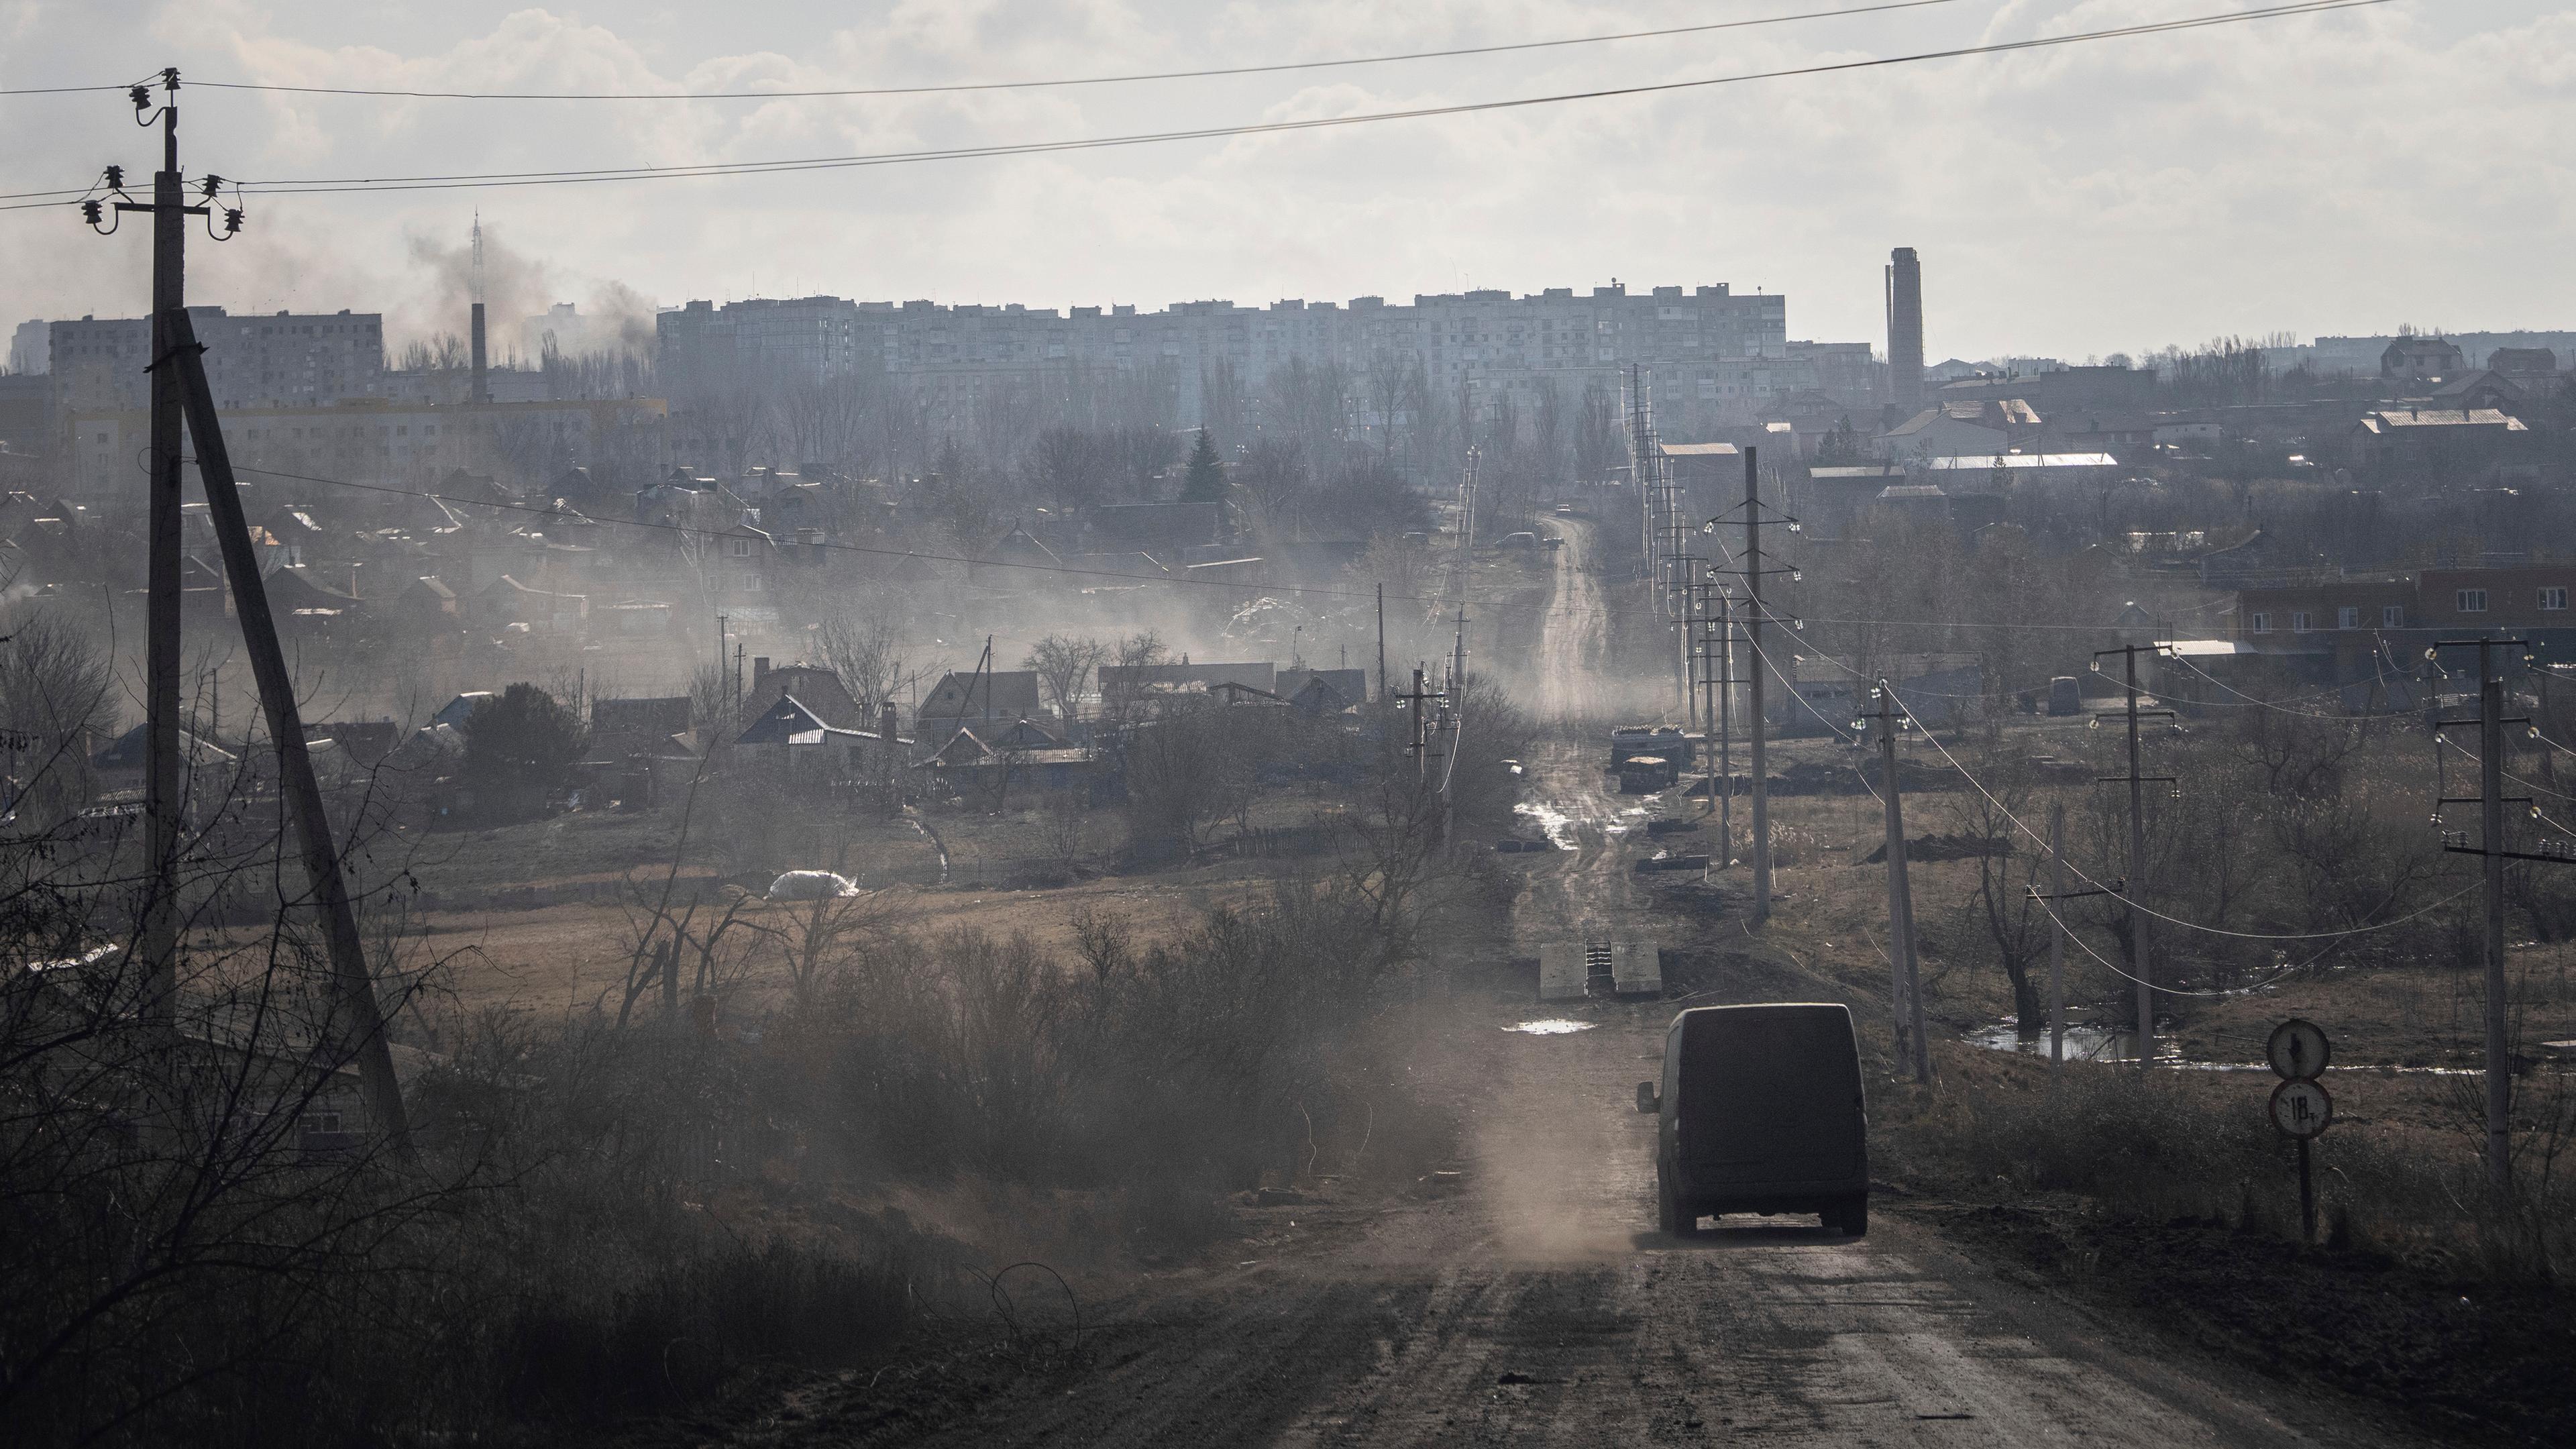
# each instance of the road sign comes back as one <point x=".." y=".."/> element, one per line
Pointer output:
<point x="2301" y="1109"/>
<point x="2298" y="1050"/>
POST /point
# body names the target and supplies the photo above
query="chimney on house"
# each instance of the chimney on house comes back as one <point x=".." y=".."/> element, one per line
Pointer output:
<point x="482" y="380"/>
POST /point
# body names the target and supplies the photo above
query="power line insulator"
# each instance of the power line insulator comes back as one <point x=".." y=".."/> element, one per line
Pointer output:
<point x="116" y="178"/>
<point x="210" y="185"/>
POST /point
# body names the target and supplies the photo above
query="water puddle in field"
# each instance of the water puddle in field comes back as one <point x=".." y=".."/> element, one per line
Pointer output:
<point x="2103" y="1044"/>
<point x="1557" y="1026"/>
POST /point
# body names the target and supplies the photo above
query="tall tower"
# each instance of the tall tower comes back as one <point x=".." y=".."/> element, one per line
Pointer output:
<point x="482" y="381"/>
<point x="1905" y="328"/>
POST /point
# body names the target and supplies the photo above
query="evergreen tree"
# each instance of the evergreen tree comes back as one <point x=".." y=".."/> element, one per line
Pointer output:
<point x="519" y="747"/>
<point x="1205" y="481"/>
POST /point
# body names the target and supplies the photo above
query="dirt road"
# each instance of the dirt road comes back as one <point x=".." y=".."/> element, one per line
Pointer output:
<point x="1537" y="1306"/>
<point x="1576" y="631"/>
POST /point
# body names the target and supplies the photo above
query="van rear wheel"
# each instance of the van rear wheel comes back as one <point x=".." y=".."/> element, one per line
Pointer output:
<point x="1669" y="1218"/>
<point x="1851" y="1217"/>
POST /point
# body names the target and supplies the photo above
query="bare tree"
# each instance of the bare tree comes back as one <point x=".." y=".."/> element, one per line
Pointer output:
<point x="1064" y="666"/>
<point x="862" y="641"/>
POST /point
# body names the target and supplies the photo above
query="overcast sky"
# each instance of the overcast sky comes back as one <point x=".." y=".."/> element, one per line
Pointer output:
<point x="2335" y="174"/>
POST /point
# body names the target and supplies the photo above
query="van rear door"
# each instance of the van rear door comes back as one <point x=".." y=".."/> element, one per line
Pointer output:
<point x="1771" y="1095"/>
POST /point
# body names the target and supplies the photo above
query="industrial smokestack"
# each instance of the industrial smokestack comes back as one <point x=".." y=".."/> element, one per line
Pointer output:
<point x="1905" y="328"/>
<point x="482" y="383"/>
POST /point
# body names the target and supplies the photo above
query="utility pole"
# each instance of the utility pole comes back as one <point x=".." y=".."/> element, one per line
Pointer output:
<point x="359" y="1025"/>
<point x="163" y="795"/>
<point x="1908" y="994"/>
<point x="1726" y="723"/>
<point x="1753" y="635"/>
<point x="1415" y="705"/>
<point x="2491" y="835"/>
<point x="1458" y="664"/>
<point x="2057" y="891"/>
<point x="2137" y="879"/>
<point x="1381" y="648"/>
<point x="1467" y="503"/>
<point x="2491" y="801"/>
<point x="2056" y="941"/>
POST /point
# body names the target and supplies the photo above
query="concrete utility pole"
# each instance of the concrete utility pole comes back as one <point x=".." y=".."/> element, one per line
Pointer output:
<point x="2491" y="835"/>
<point x="2056" y="940"/>
<point x="1726" y="725"/>
<point x="1414" y="705"/>
<point x="2491" y="801"/>
<point x="1458" y="663"/>
<point x="358" y="1024"/>
<point x="1753" y="635"/>
<point x="164" y="802"/>
<point x="1381" y="648"/>
<point x="2136" y="885"/>
<point x="1911" y="1045"/>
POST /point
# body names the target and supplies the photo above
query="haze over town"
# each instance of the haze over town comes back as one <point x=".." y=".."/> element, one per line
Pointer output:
<point x="1562" y="723"/>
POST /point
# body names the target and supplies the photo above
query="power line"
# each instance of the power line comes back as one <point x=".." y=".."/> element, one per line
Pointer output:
<point x="584" y="176"/>
<point x="1056" y="82"/>
<point x="2049" y="906"/>
<point x="2018" y="824"/>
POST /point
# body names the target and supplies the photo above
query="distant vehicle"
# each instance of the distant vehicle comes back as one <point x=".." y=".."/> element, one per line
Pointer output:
<point x="1664" y="740"/>
<point x="1554" y="540"/>
<point x="1565" y="510"/>
<point x="2063" y="699"/>
<point x="1760" y="1110"/>
<point x="1519" y="540"/>
<point x="1646" y="774"/>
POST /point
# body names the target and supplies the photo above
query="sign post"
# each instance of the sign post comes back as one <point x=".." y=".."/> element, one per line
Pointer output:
<point x="2301" y="1108"/>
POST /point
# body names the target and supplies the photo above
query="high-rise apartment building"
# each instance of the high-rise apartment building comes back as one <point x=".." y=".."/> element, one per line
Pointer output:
<point x="284" y="360"/>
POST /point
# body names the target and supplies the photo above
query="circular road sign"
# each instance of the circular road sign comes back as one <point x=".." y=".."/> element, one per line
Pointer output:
<point x="2299" y="1050"/>
<point x="2301" y="1109"/>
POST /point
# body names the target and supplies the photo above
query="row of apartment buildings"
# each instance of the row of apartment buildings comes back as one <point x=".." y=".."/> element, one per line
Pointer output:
<point x="1706" y="344"/>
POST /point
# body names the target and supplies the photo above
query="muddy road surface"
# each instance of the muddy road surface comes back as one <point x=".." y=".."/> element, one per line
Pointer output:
<point x="1574" y="636"/>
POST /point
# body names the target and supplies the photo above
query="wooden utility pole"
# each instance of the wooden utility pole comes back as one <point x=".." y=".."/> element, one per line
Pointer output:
<point x="1907" y="996"/>
<point x="358" y="1023"/>
<point x="1753" y="635"/>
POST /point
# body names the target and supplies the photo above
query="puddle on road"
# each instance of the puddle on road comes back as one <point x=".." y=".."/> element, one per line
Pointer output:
<point x="1556" y="824"/>
<point x="1557" y="1026"/>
